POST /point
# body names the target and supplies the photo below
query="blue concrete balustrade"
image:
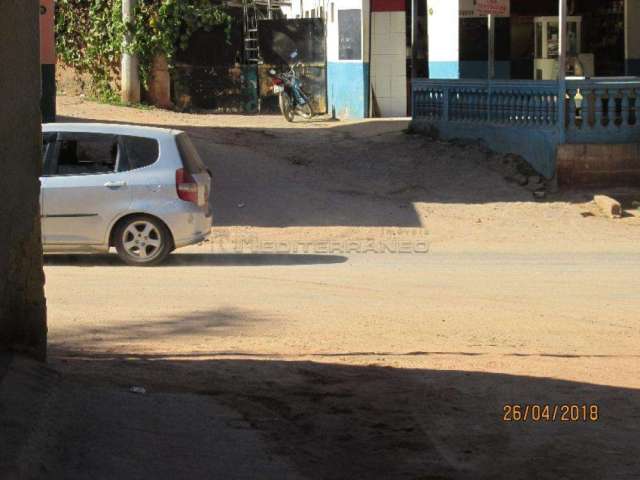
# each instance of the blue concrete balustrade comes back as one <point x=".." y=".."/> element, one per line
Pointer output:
<point x="603" y="111"/>
<point x="523" y="116"/>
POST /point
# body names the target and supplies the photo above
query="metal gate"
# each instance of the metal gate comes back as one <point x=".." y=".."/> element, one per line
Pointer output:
<point x="210" y="73"/>
<point x="278" y="40"/>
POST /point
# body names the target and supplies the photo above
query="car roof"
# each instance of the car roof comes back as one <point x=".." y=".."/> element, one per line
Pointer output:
<point x="111" y="128"/>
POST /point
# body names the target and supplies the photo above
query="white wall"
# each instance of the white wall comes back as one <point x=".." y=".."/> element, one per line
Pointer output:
<point x="444" y="38"/>
<point x="389" y="63"/>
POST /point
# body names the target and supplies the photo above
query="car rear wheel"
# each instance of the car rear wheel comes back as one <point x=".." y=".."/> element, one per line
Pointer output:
<point x="143" y="241"/>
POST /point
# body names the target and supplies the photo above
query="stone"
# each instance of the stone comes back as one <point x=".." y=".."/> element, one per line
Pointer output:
<point x="520" y="179"/>
<point x="609" y="206"/>
<point x="534" y="183"/>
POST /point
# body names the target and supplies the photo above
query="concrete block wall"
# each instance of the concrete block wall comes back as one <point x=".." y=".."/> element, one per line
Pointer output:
<point x="389" y="57"/>
<point x="599" y="165"/>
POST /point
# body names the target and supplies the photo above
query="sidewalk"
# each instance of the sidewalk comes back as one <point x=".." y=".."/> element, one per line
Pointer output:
<point x="52" y="427"/>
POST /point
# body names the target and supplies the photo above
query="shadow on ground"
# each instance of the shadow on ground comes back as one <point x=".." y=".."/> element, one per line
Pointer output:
<point x="367" y="174"/>
<point x="197" y="324"/>
<point x="347" y="422"/>
<point x="199" y="259"/>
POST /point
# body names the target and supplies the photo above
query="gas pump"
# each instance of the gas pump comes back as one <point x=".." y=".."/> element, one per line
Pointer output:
<point x="547" y="39"/>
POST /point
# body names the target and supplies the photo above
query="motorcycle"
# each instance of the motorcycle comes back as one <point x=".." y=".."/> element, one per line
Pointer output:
<point x="292" y="99"/>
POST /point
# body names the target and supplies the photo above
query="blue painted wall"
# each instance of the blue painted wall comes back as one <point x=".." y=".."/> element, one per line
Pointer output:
<point x="348" y="89"/>
<point x="467" y="70"/>
<point x="444" y="70"/>
<point x="539" y="149"/>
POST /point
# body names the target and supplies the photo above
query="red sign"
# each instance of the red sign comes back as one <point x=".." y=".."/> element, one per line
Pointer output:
<point x="498" y="8"/>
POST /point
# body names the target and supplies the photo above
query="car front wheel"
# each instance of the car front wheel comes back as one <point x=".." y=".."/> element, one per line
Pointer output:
<point x="143" y="241"/>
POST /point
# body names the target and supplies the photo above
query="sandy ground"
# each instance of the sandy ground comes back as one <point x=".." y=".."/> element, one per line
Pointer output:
<point x="355" y="364"/>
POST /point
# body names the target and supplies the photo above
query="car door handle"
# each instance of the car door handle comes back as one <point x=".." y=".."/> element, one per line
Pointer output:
<point x="119" y="184"/>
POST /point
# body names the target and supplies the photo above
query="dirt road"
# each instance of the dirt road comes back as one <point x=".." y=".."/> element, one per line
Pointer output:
<point x="356" y="364"/>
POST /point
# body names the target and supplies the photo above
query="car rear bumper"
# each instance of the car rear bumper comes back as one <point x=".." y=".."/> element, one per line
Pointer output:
<point x="191" y="227"/>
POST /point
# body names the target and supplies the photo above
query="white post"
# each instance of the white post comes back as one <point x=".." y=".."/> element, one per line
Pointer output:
<point x="562" y="44"/>
<point x="562" y="68"/>
<point x="130" y="79"/>
<point x="491" y="24"/>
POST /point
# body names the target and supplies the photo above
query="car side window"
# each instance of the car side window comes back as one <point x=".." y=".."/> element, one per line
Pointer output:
<point x="137" y="152"/>
<point x="86" y="154"/>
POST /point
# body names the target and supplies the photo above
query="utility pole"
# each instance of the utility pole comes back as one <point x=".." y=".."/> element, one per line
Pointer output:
<point x="562" y="66"/>
<point x="414" y="31"/>
<point x="491" y="25"/>
<point x="130" y="78"/>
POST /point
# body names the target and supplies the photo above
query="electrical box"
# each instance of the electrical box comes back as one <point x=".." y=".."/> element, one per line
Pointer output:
<point x="547" y="48"/>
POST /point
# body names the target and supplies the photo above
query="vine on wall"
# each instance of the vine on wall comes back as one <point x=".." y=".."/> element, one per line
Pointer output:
<point x="89" y="35"/>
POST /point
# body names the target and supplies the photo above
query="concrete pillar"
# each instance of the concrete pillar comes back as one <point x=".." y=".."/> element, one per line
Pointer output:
<point x="22" y="304"/>
<point x="130" y="77"/>
<point x="444" y="38"/>
<point x="348" y="59"/>
<point x="159" y="91"/>
<point x="389" y="57"/>
<point x="632" y="36"/>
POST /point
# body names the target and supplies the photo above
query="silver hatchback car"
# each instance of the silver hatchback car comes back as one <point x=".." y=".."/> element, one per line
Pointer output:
<point x="144" y="191"/>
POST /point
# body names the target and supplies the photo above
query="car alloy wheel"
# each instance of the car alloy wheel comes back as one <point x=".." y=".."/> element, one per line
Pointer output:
<point x="143" y="241"/>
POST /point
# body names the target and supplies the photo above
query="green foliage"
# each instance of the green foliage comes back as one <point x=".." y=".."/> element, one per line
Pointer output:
<point x="90" y="34"/>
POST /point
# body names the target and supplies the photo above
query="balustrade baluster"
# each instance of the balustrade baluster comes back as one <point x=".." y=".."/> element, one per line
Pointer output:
<point x="599" y="108"/>
<point x="548" y="109"/>
<point x="541" y="110"/>
<point x="625" y="105"/>
<point x="572" y="109"/>
<point x="495" y="107"/>
<point x="471" y="105"/>
<point x="611" y="114"/>
<point x="588" y="106"/>
<point x="511" y="107"/>
<point x="535" y="108"/>
<point x="425" y="103"/>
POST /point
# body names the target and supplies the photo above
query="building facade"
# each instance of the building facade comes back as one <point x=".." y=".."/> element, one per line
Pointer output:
<point x="375" y="48"/>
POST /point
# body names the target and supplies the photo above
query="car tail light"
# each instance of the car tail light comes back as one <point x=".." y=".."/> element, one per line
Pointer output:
<point x="186" y="186"/>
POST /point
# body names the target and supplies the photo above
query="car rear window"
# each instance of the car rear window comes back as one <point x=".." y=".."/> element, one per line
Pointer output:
<point x="190" y="157"/>
<point x="139" y="152"/>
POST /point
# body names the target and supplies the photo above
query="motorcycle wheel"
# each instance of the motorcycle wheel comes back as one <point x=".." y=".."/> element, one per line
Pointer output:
<point x="286" y="108"/>
<point x="305" y="111"/>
